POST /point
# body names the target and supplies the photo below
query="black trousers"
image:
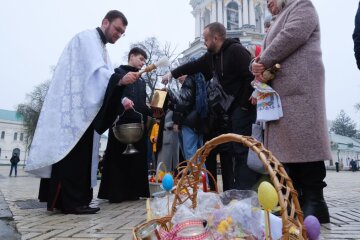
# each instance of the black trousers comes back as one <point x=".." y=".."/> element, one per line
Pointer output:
<point x="70" y="183"/>
<point x="309" y="175"/>
<point x="233" y="157"/>
<point x="125" y="177"/>
<point x="227" y="168"/>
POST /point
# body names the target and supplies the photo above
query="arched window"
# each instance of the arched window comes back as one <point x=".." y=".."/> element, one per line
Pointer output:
<point x="21" y="136"/>
<point x="206" y="17"/>
<point x="17" y="151"/>
<point x="0" y="152"/>
<point x="15" y="136"/>
<point x="2" y="134"/>
<point x="232" y="12"/>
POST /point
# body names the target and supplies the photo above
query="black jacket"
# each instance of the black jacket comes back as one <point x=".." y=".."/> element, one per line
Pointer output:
<point x="135" y="92"/>
<point x="231" y="65"/>
<point x="184" y="106"/>
<point x="356" y="37"/>
<point x="14" y="159"/>
<point x="112" y="106"/>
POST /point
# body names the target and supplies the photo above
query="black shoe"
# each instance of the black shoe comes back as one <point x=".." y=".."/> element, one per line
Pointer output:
<point x="314" y="204"/>
<point x="82" y="210"/>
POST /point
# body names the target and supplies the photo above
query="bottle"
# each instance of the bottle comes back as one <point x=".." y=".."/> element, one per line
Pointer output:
<point x="270" y="73"/>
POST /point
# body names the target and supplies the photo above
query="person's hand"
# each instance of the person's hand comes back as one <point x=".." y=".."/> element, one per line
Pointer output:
<point x="127" y="103"/>
<point x="181" y="79"/>
<point x="253" y="100"/>
<point x="155" y="139"/>
<point x="176" y="128"/>
<point x="129" y="78"/>
<point x="257" y="68"/>
<point x="166" y="78"/>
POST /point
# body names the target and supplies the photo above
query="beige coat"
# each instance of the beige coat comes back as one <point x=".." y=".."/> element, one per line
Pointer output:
<point x="294" y="42"/>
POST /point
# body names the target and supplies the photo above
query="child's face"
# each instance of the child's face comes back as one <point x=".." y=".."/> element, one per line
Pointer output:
<point x="137" y="61"/>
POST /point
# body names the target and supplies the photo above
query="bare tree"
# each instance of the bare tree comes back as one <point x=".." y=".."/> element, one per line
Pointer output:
<point x="155" y="51"/>
<point x="30" y="110"/>
<point x="357" y="106"/>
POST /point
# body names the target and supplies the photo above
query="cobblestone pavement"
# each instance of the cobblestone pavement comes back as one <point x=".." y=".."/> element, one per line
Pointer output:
<point x="115" y="221"/>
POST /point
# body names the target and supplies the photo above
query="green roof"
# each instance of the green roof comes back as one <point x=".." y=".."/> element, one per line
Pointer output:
<point x="10" y="116"/>
<point x="344" y="143"/>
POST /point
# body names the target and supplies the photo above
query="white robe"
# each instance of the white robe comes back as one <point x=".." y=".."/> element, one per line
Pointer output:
<point x="74" y="98"/>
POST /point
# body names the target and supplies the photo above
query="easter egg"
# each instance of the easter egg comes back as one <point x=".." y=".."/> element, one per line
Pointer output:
<point x="267" y="195"/>
<point x="312" y="225"/>
<point x="168" y="182"/>
<point x="161" y="174"/>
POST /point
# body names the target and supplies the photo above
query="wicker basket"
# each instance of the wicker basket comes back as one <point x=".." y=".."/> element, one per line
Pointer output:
<point x="291" y="214"/>
<point x="154" y="187"/>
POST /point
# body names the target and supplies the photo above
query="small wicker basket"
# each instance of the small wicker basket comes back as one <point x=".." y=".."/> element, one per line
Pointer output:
<point x="154" y="187"/>
<point x="291" y="214"/>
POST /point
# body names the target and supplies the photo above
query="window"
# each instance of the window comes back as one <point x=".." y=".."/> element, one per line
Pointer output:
<point x="232" y="16"/>
<point x="0" y="152"/>
<point x="15" y="136"/>
<point x="206" y="17"/>
<point x="17" y="151"/>
<point x="258" y="16"/>
<point x="21" y="136"/>
<point x="2" y="135"/>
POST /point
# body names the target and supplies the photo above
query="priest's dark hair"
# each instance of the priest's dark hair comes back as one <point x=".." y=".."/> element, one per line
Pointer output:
<point x="217" y="28"/>
<point x="137" y="51"/>
<point x="114" y="14"/>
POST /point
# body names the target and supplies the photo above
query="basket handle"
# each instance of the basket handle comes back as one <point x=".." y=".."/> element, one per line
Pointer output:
<point x="158" y="168"/>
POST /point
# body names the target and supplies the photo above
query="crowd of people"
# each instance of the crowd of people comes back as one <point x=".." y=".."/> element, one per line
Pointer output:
<point x="86" y="96"/>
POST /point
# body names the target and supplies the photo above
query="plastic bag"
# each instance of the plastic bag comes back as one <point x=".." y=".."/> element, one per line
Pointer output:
<point x="253" y="161"/>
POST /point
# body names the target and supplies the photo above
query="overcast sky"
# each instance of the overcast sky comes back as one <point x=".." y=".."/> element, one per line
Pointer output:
<point x="34" y="33"/>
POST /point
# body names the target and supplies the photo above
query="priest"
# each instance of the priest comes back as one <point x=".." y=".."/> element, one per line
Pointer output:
<point x="76" y="110"/>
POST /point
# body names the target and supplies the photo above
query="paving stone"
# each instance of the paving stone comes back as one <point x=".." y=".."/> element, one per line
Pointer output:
<point x="116" y="221"/>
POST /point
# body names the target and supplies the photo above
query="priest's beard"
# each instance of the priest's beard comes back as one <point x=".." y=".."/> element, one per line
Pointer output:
<point x="108" y="36"/>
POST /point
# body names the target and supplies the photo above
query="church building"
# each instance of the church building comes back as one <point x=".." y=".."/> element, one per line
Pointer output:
<point x="243" y="19"/>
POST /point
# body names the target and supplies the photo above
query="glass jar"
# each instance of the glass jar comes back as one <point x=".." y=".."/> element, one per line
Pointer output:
<point x="198" y="232"/>
<point x="148" y="232"/>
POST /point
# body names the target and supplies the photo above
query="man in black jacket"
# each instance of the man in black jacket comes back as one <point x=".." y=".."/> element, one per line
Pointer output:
<point x="189" y="113"/>
<point x="228" y="61"/>
<point x="14" y="160"/>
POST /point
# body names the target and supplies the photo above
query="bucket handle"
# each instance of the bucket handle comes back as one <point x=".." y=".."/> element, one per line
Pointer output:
<point x="119" y="116"/>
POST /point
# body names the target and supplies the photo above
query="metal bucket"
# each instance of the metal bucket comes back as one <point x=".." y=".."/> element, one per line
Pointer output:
<point x="129" y="133"/>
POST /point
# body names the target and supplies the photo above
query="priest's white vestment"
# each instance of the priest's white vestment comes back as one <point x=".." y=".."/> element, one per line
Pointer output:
<point x="74" y="98"/>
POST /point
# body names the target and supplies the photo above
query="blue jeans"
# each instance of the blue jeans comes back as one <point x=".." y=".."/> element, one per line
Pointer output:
<point x="191" y="141"/>
<point x="13" y="166"/>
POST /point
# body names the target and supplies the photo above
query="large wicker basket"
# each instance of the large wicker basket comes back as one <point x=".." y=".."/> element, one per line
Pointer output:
<point x="291" y="214"/>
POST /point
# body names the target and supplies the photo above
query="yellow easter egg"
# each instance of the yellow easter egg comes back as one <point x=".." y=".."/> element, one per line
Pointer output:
<point x="221" y="230"/>
<point x="161" y="174"/>
<point x="267" y="195"/>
